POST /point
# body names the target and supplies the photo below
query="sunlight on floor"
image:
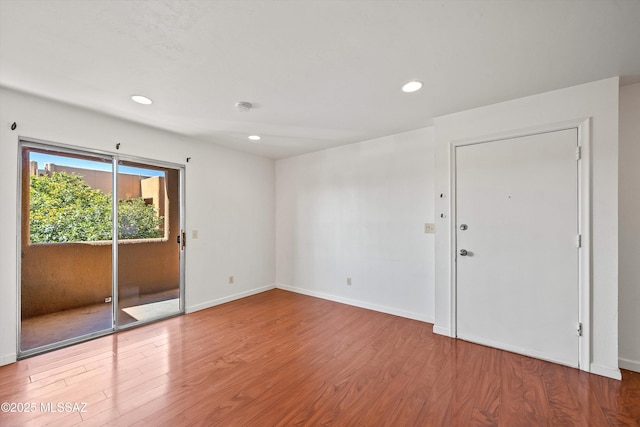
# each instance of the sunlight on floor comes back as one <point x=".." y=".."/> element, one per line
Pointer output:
<point x="154" y="310"/>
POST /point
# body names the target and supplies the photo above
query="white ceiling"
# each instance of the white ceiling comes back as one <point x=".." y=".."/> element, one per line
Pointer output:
<point x="319" y="73"/>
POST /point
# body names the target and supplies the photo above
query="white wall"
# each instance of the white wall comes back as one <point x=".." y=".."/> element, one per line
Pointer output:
<point x="355" y="211"/>
<point x="359" y="211"/>
<point x="598" y="100"/>
<point x="230" y="200"/>
<point x="629" y="236"/>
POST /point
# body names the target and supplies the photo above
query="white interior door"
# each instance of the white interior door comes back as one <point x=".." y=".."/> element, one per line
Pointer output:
<point x="517" y="218"/>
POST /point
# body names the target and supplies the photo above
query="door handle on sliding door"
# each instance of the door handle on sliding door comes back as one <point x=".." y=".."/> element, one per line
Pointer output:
<point x="181" y="240"/>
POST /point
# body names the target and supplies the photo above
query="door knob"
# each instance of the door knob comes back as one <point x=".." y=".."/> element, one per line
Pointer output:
<point x="463" y="227"/>
<point x="463" y="252"/>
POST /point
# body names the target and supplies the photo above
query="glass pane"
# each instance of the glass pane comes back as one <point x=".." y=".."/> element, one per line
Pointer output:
<point x="66" y="274"/>
<point x="148" y="253"/>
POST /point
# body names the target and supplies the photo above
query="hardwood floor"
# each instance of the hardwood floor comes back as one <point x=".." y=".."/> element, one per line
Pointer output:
<point x="280" y="358"/>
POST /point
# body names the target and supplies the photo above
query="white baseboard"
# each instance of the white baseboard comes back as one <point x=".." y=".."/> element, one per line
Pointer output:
<point x="7" y="359"/>
<point x="356" y="303"/>
<point x="631" y="365"/>
<point x="442" y="331"/>
<point x="605" y="371"/>
<point x="212" y="303"/>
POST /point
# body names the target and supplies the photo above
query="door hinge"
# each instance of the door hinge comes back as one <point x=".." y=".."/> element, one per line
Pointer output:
<point x="579" y="241"/>
<point x="579" y="329"/>
<point x="578" y="153"/>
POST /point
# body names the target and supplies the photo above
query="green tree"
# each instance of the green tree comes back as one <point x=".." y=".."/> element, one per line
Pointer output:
<point x="137" y="220"/>
<point x="64" y="208"/>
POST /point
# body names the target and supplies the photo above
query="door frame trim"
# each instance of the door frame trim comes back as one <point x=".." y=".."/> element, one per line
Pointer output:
<point x="583" y="127"/>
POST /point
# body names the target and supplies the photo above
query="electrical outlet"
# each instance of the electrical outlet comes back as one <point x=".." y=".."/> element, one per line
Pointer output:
<point x="429" y="228"/>
<point x="348" y="281"/>
<point x="231" y="280"/>
<point x="107" y="299"/>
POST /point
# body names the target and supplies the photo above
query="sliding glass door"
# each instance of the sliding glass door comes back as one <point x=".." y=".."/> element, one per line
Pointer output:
<point x="94" y="260"/>
<point x="148" y="248"/>
<point x="66" y="253"/>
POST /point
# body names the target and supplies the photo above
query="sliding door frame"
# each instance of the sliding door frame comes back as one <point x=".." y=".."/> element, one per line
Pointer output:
<point x="115" y="158"/>
<point x="181" y="254"/>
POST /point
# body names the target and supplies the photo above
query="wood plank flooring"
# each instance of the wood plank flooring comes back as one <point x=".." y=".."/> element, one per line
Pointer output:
<point x="280" y="358"/>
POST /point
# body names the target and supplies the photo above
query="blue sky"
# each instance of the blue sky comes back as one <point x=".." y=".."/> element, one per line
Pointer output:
<point x="43" y="158"/>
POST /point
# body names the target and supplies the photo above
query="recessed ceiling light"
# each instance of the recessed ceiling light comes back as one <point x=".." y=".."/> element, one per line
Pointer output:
<point x="412" y="86"/>
<point x="141" y="99"/>
<point x="255" y="137"/>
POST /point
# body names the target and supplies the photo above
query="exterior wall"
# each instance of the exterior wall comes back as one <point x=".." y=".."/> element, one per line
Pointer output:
<point x="153" y="188"/>
<point x="629" y="233"/>
<point x="128" y="185"/>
